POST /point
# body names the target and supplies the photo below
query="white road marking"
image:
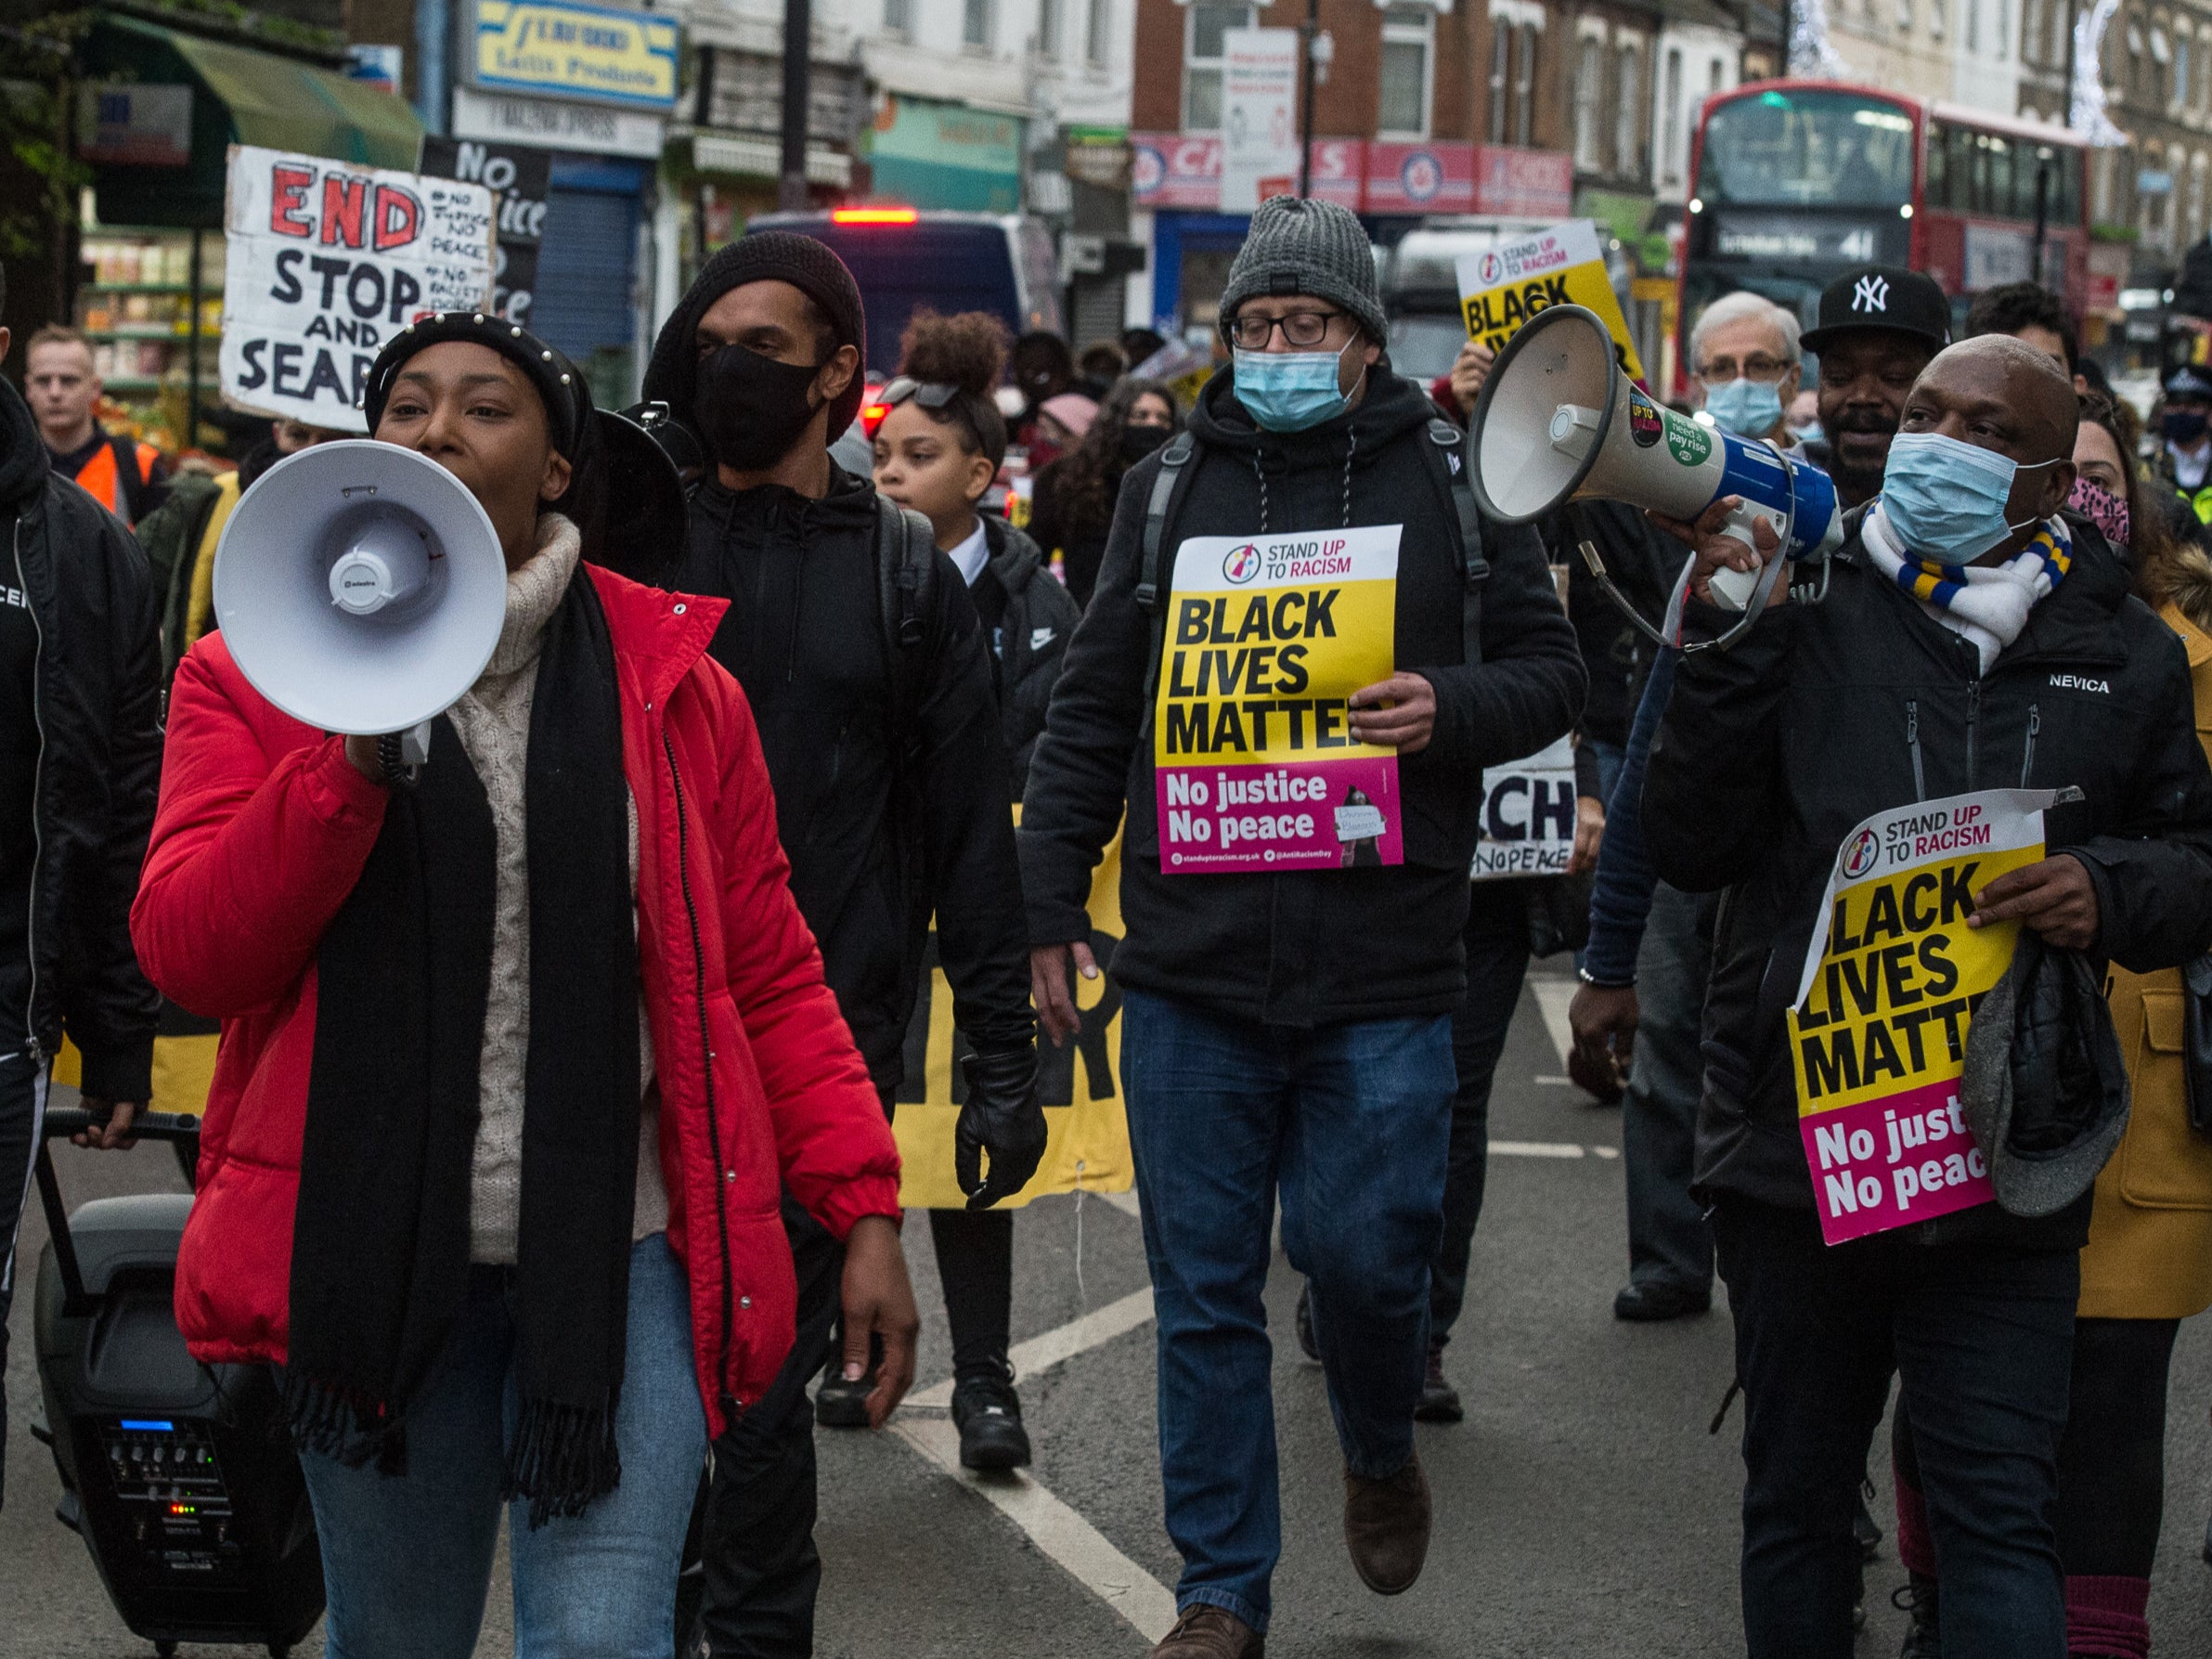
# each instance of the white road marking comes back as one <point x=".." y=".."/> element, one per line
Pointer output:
<point x="1536" y="1150"/>
<point x="1057" y="1530"/>
<point x="1553" y="995"/>
<point x="1124" y="1202"/>
<point x="1559" y="1082"/>
<point x="1039" y="1354"/>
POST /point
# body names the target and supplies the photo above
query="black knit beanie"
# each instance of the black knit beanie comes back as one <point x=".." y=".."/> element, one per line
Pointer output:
<point x="810" y="266"/>
<point x="571" y="420"/>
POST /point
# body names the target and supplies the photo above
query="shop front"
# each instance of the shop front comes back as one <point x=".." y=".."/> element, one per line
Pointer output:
<point x="923" y="154"/>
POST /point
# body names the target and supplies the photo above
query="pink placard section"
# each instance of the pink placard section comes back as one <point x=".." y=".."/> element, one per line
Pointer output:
<point x="1329" y="815"/>
<point x="1889" y="1163"/>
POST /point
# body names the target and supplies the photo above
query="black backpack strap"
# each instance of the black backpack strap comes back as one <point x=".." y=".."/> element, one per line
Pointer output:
<point x="130" y="484"/>
<point x="905" y="591"/>
<point x="1152" y="587"/>
<point x="1447" y="449"/>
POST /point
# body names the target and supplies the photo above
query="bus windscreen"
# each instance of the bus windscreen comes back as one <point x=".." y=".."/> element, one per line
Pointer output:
<point x="1796" y="147"/>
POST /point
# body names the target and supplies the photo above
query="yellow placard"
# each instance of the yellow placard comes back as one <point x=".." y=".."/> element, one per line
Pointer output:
<point x="1080" y="1083"/>
<point x="1506" y="284"/>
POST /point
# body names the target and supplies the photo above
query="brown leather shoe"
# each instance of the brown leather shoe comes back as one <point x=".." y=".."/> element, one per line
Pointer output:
<point x="1208" y="1632"/>
<point x="1386" y="1527"/>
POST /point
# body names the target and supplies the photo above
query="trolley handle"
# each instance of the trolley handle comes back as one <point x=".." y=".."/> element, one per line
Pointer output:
<point x="147" y="1126"/>
<point x="181" y="1129"/>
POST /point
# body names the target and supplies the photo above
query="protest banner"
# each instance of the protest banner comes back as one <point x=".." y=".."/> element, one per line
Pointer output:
<point x="1528" y="816"/>
<point x="324" y="263"/>
<point x="1509" y="282"/>
<point x="520" y="177"/>
<point x="1267" y="638"/>
<point x="1878" y="1030"/>
<point x="1086" y="1147"/>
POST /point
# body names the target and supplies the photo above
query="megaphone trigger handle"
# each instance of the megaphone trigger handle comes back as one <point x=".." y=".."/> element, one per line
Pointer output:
<point x="401" y="756"/>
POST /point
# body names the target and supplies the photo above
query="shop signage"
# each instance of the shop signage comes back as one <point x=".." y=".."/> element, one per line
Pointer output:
<point x="565" y="49"/>
<point x="124" y="123"/>
<point x="1421" y="178"/>
<point x="940" y="155"/>
<point x="1258" y="116"/>
<point x="1184" y="170"/>
<point x="324" y="263"/>
<point x="521" y="178"/>
<point x="1098" y="156"/>
<point x="556" y="123"/>
<point x="1523" y="184"/>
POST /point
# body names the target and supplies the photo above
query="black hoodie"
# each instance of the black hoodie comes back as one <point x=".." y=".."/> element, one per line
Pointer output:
<point x="1771" y="752"/>
<point x="874" y="841"/>
<point x="1305" y="948"/>
<point x="80" y="763"/>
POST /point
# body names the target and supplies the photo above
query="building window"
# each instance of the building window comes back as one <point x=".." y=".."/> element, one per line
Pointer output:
<point x="1589" y="94"/>
<point x="2181" y="57"/>
<point x="899" y="16"/>
<point x="1098" y="40"/>
<point x="2003" y="44"/>
<point x="1936" y="19"/>
<point x="1408" y="38"/>
<point x="1049" y="29"/>
<point x="1973" y="25"/>
<point x="977" y="18"/>
<point x="1670" y="106"/>
<point x="1628" y="112"/>
<point x="1202" y="60"/>
<point x="1501" y="66"/>
<point x="1524" y="85"/>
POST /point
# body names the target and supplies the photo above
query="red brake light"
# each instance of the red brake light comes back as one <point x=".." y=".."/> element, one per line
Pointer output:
<point x="871" y="411"/>
<point x="874" y="215"/>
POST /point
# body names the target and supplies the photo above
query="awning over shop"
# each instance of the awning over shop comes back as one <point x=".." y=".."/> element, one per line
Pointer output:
<point x="240" y="96"/>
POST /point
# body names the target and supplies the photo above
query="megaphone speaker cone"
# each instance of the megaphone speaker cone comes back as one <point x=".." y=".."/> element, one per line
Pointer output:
<point x="361" y="586"/>
<point x="1544" y="415"/>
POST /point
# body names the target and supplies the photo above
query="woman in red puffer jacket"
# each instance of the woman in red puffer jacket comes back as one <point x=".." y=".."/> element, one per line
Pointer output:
<point x="516" y="1060"/>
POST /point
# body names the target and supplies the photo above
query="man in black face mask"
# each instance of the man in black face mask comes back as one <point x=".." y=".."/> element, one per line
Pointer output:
<point x="884" y="743"/>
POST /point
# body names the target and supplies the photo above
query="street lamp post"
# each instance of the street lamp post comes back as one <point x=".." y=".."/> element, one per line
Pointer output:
<point x="1307" y="35"/>
<point x="798" y="42"/>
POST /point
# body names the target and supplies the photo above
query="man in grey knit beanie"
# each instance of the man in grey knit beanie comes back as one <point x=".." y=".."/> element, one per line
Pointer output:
<point x="1289" y="1029"/>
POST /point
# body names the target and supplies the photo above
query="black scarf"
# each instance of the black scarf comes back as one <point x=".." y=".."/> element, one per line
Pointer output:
<point x="379" y="1261"/>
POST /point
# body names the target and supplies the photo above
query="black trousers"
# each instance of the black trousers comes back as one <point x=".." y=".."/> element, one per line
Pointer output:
<point x="22" y="1103"/>
<point x="1982" y="1336"/>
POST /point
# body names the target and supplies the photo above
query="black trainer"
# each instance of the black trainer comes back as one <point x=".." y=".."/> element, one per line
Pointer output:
<point x="987" y="1413"/>
<point x="1439" y="1400"/>
<point x="1920" y="1599"/>
<point x="1304" y="1324"/>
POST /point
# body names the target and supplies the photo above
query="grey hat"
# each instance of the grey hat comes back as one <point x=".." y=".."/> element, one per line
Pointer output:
<point x="1301" y="246"/>
<point x="2045" y="1089"/>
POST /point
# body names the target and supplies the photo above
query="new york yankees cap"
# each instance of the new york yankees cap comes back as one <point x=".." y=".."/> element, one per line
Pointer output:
<point x="1883" y="296"/>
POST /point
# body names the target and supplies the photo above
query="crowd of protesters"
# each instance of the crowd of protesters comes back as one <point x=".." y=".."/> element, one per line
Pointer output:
<point x="549" y="1142"/>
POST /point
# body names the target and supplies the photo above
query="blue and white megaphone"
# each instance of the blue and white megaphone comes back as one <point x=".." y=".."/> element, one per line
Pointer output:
<point x="1558" y="422"/>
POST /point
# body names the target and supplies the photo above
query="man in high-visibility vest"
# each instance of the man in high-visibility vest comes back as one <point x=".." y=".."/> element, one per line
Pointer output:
<point x="124" y="476"/>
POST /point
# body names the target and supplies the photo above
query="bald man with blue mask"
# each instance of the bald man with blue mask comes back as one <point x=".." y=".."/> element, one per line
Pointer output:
<point x="1973" y="638"/>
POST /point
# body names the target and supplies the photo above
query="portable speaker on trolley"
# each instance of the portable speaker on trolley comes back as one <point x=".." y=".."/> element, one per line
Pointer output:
<point x="179" y="1476"/>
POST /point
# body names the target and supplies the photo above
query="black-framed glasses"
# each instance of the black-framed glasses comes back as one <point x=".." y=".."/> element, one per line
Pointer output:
<point x="1300" y="329"/>
<point x="930" y="394"/>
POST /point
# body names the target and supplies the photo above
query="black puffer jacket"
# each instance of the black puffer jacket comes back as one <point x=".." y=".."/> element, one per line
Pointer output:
<point x="1032" y="644"/>
<point x="1302" y="948"/>
<point x="1821" y="716"/>
<point x="875" y="840"/>
<point x="97" y="688"/>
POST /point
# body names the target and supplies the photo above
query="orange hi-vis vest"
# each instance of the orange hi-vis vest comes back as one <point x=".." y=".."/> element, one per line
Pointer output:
<point x="97" y="477"/>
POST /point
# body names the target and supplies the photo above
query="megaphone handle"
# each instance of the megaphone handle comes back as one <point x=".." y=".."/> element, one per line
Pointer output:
<point x="414" y="745"/>
<point x="402" y="754"/>
<point x="1739" y="589"/>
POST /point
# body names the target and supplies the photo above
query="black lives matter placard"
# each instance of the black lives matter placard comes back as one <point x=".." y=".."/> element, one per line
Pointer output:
<point x="324" y="263"/>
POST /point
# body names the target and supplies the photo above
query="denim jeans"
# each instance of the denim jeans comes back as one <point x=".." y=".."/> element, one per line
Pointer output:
<point x="1352" y="1122"/>
<point x="407" y="1558"/>
<point x="1497" y="961"/>
<point x="1669" y="1241"/>
<point x="1982" y="1336"/>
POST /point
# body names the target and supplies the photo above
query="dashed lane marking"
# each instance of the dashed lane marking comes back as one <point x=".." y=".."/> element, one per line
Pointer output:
<point x="1553" y="995"/>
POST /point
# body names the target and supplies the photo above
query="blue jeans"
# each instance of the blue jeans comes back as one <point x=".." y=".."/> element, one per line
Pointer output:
<point x="1982" y="1336"/>
<point x="1353" y="1122"/>
<point x="407" y="1560"/>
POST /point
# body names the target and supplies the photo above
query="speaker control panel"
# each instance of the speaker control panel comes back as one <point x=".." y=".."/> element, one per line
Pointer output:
<point x="173" y="1510"/>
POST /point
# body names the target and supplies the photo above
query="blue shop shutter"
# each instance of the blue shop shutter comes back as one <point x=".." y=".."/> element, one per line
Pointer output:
<point x="585" y="272"/>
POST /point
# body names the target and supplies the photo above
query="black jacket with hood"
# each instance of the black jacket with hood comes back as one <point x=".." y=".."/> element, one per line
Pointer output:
<point x="1302" y="948"/>
<point x="1032" y="640"/>
<point x="875" y="836"/>
<point x="97" y="688"/>
<point x="1773" y="751"/>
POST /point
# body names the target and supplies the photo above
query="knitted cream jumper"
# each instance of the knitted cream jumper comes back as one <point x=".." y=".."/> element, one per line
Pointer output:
<point x="493" y="721"/>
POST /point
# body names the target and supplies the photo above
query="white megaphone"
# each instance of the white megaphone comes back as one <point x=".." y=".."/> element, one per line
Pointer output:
<point x="360" y="588"/>
<point x="1558" y="422"/>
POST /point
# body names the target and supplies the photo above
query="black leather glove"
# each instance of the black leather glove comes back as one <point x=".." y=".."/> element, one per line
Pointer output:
<point x="1001" y="1115"/>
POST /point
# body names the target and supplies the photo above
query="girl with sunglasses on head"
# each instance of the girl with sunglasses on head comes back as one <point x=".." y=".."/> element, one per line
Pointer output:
<point x="936" y="452"/>
<point x="517" y="1052"/>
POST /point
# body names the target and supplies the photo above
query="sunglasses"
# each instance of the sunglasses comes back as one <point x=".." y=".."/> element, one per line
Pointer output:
<point x="930" y="394"/>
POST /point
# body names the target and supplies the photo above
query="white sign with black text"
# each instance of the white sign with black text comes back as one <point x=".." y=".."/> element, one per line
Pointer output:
<point x="324" y="263"/>
<point x="1528" y="816"/>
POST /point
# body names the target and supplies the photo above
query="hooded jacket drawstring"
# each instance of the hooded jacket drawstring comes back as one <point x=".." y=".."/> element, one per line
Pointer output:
<point x="1352" y="449"/>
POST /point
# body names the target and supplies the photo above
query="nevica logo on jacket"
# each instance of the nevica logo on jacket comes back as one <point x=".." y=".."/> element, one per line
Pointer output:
<point x="1256" y="767"/>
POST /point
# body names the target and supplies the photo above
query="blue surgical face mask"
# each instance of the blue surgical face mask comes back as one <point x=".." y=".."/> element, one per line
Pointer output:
<point x="1946" y="498"/>
<point x="1749" y="409"/>
<point x="1290" y="391"/>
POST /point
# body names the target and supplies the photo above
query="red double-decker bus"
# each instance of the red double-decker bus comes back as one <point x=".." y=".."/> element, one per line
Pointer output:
<point x="1793" y="182"/>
